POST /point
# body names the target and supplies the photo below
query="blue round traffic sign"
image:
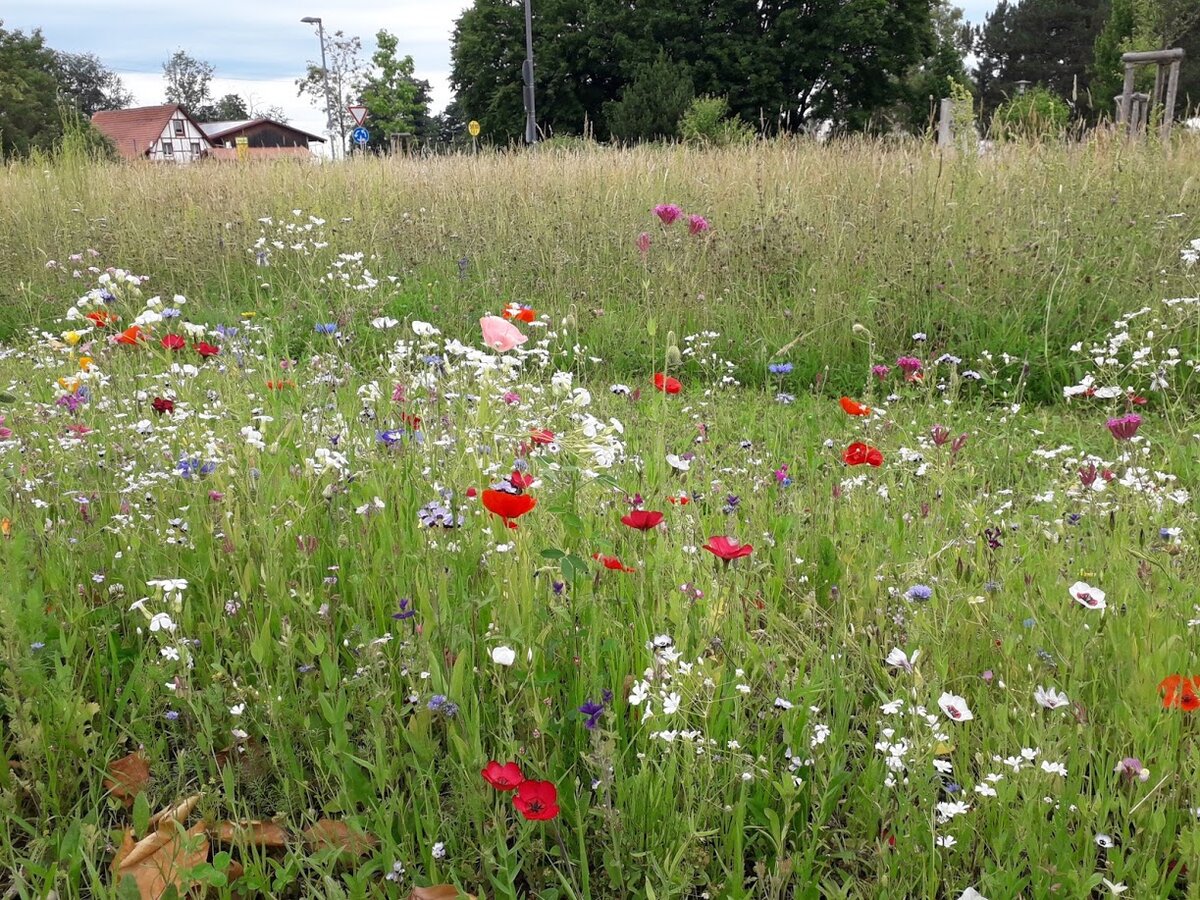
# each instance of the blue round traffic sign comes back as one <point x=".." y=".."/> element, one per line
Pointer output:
<point x="360" y="135"/>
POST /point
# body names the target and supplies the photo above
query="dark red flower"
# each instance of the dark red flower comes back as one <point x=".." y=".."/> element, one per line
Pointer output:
<point x="520" y="480"/>
<point x="507" y="506"/>
<point x="667" y="383"/>
<point x="611" y="562"/>
<point x="642" y="519"/>
<point x="206" y="350"/>
<point x="505" y="777"/>
<point x="173" y="342"/>
<point x="413" y="422"/>
<point x="536" y="800"/>
<point x="542" y="436"/>
<point x="858" y="454"/>
<point x="727" y="548"/>
<point x="163" y="405"/>
<point x="472" y="493"/>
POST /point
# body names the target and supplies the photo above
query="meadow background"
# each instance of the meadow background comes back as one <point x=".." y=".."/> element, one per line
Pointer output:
<point x="336" y="654"/>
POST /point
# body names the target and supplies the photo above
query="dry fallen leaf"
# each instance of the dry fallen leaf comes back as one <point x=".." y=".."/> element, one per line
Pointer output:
<point x="438" y="892"/>
<point x="259" y="833"/>
<point x="331" y="833"/>
<point x="127" y="777"/>
<point x="177" y="813"/>
<point x="158" y="860"/>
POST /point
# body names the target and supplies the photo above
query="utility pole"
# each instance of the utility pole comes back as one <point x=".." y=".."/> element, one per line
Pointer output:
<point x="316" y="20"/>
<point x="527" y="69"/>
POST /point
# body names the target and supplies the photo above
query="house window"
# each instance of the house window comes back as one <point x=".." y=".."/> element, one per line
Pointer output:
<point x="168" y="148"/>
<point x="179" y="127"/>
<point x="195" y="148"/>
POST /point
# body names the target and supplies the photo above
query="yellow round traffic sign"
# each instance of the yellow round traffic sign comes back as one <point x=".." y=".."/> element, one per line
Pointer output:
<point x="473" y="128"/>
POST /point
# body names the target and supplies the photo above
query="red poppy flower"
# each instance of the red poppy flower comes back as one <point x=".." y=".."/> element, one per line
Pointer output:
<point x="727" y="548"/>
<point x="1179" y="691"/>
<point x="854" y="408"/>
<point x="472" y="493"/>
<point x="101" y="318"/>
<point x="520" y="480"/>
<point x="173" y="342"/>
<point x="131" y="335"/>
<point x="667" y="383"/>
<point x="279" y="385"/>
<point x="505" y="777"/>
<point x="542" y="436"/>
<point x="520" y="313"/>
<point x="507" y="506"/>
<point x="611" y="562"/>
<point x="682" y="500"/>
<point x="642" y="520"/>
<point x="858" y="454"/>
<point x="536" y="800"/>
<point x="206" y="350"/>
<point x="413" y="422"/>
<point x="163" y="405"/>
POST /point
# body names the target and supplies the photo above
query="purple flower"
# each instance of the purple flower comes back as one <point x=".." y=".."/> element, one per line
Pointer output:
<point x="1124" y="427"/>
<point x="909" y="365"/>
<point x="940" y="434"/>
<point x="697" y="225"/>
<point x="782" y="368"/>
<point x="919" y="592"/>
<point x="406" y="611"/>
<point x="880" y="372"/>
<point x="1131" y="769"/>
<point x="643" y="243"/>
<point x="667" y="212"/>
<point x="593" y="712"/>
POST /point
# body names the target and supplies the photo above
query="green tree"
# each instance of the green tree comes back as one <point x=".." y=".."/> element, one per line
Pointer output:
<point x="1107" y="73"/>
<point x="29" y="114"/>
<point x="188" y="81"/>
<point x="652" y="103"/>
<point x="88" y="84"/>
<point x="391" y="93"/>
<point x="229" y="108"/>
<point x="346" y="72"/>
<point x="928" y="81"/>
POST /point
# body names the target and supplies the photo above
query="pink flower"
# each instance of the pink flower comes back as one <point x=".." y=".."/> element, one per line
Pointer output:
<point x="667" y="212"/>
<point x="880" y="372"/>
<point x="1124" y="427"/>
<point x="910" y="366"/>
<point x="697" y="225"/>
<point x="500" y="334"/>
<point x="643" y="243"/>
<point x="5" y="433"/>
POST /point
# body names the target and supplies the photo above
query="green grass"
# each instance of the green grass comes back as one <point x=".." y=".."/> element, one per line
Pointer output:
<point x="298" y="695"/>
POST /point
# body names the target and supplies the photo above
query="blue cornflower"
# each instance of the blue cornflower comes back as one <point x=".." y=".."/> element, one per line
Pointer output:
<point x="391" y="437"/>
<point x="593" y="712"/>
<point x="325" y="328"/>
<point x="436" y="702"/>
<point x="919" y="592"/>
<point x="171" y="715"/>
<point x="227" y="331"/>
<point x="783" y="368"/>
<point x="170" y="313"/>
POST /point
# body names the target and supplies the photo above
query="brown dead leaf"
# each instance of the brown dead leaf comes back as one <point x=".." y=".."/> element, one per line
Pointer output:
<point x="439" y="892"/>
<point x="158" y="860"/>
<point x="258" y="833"/>
<point x="332" y="833"/>
<point x="177" y="813"/>
<point x="128" y="777"/>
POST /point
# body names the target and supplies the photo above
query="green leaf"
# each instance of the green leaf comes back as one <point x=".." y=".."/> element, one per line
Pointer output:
<point x="141" y="813"/>
<point x="552" y="553"/>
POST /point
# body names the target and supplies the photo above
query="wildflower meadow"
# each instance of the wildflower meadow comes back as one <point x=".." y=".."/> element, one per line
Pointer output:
<point x="401" y="552"/>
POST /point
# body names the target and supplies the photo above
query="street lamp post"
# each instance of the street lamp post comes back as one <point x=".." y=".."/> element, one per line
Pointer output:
<point x="527" y="71"/>
<point x="316" y="20"/>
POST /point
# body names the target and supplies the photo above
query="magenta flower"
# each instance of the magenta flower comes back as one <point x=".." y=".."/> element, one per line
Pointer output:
<point x="697" y="225"/>
<point x="940" y="434"/>
<point x="667" y="212"/>
<point x="910" y="366"/>
<point x="1124" y="427"/>
<point x="880" y="372"/>
<point x="643" y="243"/>
<point x="1131" y="769"/>
<point x="5" y="433"/>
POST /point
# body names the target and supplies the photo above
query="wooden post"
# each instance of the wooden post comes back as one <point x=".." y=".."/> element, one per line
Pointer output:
<point x="945" y="114"/>
<point x="1172" y="92"/>
<point x="1126" y="96"/>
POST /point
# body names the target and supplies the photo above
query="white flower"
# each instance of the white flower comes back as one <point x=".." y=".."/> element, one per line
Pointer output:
<point x="677" y="463"/>
<point x="955" y="707"/>
<point x="985" y="790"/>
<point x="945" y="840"/>
<point x="950" y="809"/>
<point x="972" y="894"/>
<point x="581" y="397"/>
<point x="1050" y="698"/>
<point x="421" y="329"/>
<point x="439" y="850"/>
<point x="1053" y="768"/>
<point x="162" y="622"/>
<point x="560" y="383"/>
<point x="898" y="659"/>
<point x="781" y="703"/>
<point x="1115" y="889"/>
<point x="194" y="330"/>
<point x="384" y="322"/>
<point x="1104" y="840"/>
<point x="237" y="709"/>
<point x="504" y="656"/>
<point x="1086" y="595"/>
<point x="638" y="693"/>
<point x="253" y="437"/>
<point x="671" y="703"/>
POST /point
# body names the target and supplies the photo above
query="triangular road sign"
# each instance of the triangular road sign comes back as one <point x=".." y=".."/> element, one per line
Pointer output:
<point x="359" y="113"/>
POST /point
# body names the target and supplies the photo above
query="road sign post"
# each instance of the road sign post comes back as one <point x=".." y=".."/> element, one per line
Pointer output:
<point x="360" y="136"/>
<point x="473" y="130"/>
<point x="358" y="113"/>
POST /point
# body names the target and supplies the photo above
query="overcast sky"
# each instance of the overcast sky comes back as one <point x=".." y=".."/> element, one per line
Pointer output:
<point x="259" y="47"/>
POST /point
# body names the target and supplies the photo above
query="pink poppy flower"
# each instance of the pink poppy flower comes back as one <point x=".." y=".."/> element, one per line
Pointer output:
<point x="500" y="334"/>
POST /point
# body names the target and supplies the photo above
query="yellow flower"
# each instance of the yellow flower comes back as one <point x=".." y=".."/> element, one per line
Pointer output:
<point x="249" y="315"/>
<point x="69" y="385"/>
<point x="72" y="337"/>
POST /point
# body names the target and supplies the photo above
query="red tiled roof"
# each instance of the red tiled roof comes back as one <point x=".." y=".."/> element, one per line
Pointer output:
<point x="230" y="153"/>
<point x="134" y="131"/>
